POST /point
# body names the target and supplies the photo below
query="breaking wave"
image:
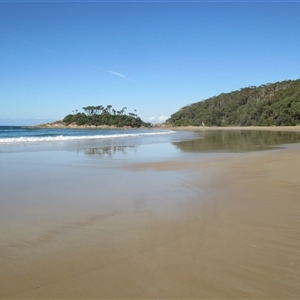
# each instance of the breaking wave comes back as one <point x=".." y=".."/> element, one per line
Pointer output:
<point x="60" y="138"/>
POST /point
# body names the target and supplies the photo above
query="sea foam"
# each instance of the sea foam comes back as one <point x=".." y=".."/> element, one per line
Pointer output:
<point x="60" y="138"/>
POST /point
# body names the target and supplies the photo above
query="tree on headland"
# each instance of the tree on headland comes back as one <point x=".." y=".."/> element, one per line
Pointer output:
<point x="109" y="108"/>
<point x="98" y="115"/>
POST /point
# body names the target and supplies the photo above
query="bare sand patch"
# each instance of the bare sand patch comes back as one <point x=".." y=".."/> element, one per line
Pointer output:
<point x="215" y="128"/>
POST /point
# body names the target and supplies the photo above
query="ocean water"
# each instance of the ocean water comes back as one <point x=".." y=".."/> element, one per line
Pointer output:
<point x="19" y="134"/>
<point x="27" y="139"/>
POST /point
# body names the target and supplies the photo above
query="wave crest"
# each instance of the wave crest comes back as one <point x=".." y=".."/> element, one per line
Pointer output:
<point x="61" y="138"/>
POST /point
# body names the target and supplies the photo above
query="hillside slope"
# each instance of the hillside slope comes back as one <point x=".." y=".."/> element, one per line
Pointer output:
<point x="269" y="104"/>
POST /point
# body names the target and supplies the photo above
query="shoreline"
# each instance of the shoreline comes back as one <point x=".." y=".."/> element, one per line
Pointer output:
<point x="72" y="126"/>
<point x="264" y="128"/>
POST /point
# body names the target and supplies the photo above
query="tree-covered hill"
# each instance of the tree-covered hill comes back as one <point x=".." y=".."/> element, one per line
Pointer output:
<point x="269" y="104"/>
<point x="100" y="115"/>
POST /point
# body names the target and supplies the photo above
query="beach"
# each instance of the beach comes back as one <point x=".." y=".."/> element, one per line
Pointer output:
<point x="183" y="224"/>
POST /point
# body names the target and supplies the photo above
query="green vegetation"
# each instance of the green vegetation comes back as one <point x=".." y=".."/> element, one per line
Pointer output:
<point x="99" y="115"/>
<point x="269" y="104"/>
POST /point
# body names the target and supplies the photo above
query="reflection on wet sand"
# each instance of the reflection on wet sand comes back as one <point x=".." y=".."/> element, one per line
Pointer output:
<point x="238" y="141"/>
<point x="213" y="141"/>
<point x="109" y="150"/>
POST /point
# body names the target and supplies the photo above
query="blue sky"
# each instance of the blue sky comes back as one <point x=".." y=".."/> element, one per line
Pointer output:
<point x="155" y="57"/>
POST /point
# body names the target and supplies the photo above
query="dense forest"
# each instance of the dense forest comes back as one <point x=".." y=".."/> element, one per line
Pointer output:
<point x="266" y="105"/>
<point x="100" y="115"/>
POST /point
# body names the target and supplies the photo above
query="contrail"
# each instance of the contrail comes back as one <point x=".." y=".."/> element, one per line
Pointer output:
<point x="57" y="53"/>
<point x="120" y="75"/>
<point x="31" y="44"/>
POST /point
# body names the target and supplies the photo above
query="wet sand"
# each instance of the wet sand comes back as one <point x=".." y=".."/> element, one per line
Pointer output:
<point x="221" y="227"/>
<point x="245" y="243"/>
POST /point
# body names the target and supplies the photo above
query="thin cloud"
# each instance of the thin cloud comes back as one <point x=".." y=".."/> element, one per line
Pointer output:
<point x="94" y="66"/>
<point x="163" y="118"/>
<point x="160" y="119"/>
<point x="120" y="75"/>
<point x="31" y="44"/>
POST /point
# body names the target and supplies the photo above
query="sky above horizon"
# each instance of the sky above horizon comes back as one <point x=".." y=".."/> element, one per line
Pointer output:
<point x="155" y="57"/>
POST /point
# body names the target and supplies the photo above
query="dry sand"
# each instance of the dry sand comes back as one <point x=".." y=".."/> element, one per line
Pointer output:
<point x="237" y="236"/>
<point x="215" y="128"/>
